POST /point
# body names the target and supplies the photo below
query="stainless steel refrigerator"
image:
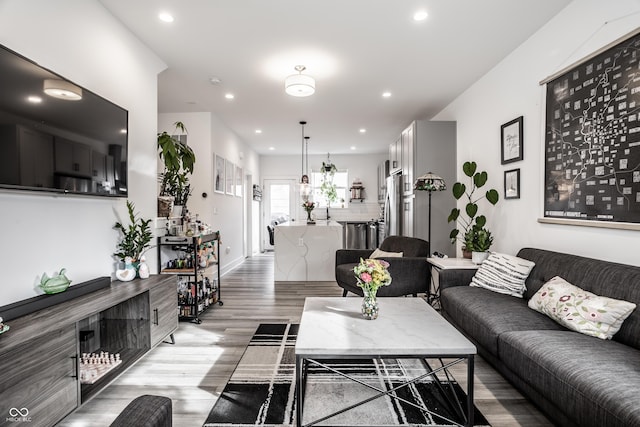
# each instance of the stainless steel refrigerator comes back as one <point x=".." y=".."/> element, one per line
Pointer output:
<point x="393" y="206"/>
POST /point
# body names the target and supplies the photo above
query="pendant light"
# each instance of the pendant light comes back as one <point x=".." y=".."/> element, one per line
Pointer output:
<point x="300" y="84"/>
<point x="305" y="188"/>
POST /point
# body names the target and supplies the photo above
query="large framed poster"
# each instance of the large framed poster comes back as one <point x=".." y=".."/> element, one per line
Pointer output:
<point x="592" y="137"/>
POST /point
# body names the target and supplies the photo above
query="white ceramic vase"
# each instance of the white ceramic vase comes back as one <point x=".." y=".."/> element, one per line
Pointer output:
<point x="479" y="257"/>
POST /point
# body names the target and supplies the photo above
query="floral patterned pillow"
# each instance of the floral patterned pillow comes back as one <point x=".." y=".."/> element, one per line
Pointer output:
<point x="580" y="310"/>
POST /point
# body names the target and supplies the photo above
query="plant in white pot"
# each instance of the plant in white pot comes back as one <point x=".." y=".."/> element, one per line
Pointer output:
<point x="465" y="226"/>
<point x="478" y="240"/>
<point x="135" y="240"/>
<point x="178" y="159"/>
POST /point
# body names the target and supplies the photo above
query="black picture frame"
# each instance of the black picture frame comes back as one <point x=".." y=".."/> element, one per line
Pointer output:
<point x="512" y="184"/>
<point x="511" y="141"/>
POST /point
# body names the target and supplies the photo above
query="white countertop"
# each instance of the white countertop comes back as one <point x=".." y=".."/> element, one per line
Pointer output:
<point x="404" y="327"/>
<point x="319" y="223"/>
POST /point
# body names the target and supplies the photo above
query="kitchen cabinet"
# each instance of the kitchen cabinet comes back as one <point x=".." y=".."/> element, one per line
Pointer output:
<point x="98" y="166"/>
<point x="395" y="156"/>
<point x="72" y="158"/>
<point x="428" y="146"/>
<point x="407" y="145"/>
<point x="27" y="157"/>
<point x="408" y="216"/>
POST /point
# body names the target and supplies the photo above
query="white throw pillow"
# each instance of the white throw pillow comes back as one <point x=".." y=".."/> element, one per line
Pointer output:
<point x="382" y="254"/>
<point x="580" y="310"/>
<point x="504" y="274"/>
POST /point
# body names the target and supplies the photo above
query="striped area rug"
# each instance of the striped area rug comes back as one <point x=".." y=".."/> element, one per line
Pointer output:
<point x="261" y="390"/>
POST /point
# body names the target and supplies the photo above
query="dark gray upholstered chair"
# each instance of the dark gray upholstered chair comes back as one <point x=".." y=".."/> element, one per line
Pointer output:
<point x="146" y="411"/>
<point x="410" y="274"/>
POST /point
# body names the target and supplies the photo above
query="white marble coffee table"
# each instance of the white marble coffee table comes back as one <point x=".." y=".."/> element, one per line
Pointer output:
<point x="333" y="328"/>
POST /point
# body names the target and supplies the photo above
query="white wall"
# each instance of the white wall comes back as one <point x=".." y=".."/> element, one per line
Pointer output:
<point x="512" y="89"/>
<point x="208" y="135"/>
<point x="43" y="233"/>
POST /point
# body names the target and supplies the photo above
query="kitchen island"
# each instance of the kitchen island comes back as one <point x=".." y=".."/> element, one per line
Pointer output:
<point x="306" y="252"/>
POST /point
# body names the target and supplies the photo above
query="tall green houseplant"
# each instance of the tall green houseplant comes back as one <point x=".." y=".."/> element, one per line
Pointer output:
<point x="178" y="159"/>
<point x="136" y="237"/>
<point x="469" y="228"/>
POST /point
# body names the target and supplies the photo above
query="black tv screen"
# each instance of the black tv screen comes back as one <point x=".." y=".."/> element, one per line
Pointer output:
<point x="56" y="136"/>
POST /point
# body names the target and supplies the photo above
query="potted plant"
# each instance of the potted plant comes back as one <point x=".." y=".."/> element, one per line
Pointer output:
<point x="467" y="227"/>
<point x="327" y="187"/>
<point x="478" y="240"/>
<point x="178" y="159"/>
<point x="136" y="237"/>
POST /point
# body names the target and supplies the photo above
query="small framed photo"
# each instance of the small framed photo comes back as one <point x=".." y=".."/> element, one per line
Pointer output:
<point x="238" y="181"/>
<point x="512" y="184"/>
<point x="218" y="174"/>
<point x="229" y="169"/>
<point x="511" y="141"/>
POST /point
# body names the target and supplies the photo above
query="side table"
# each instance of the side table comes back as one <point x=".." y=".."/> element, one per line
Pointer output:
<point x="438" y="264"/>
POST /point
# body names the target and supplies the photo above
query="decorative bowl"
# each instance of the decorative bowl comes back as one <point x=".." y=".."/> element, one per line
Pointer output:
<point x="56" y="284"/>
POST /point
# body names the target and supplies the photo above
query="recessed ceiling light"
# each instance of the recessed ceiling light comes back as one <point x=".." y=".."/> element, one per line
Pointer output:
<point x="34" y="99"/>
<point x="363" y="130"/>
<point x="386" y="94"/>
<point x="215" y="80"/>
<point x="353" y="147"/>
<point x="229" y="96"/>
<point x="271" y="148"/>
<point x="420" y="15"/>
<point x="165" y="17"/>
<point x="258" y="131"/>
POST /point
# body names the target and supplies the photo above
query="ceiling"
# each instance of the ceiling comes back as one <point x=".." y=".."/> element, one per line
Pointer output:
<point x="355" y="49"/>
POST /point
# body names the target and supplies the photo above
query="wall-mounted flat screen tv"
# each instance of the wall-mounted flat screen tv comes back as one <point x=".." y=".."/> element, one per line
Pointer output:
<point x="56" y="136"/>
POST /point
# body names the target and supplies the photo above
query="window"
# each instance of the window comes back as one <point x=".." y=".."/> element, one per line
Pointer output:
<point x="340" y="179"/>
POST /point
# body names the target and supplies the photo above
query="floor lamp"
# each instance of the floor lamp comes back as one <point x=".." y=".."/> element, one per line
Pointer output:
<point x="430" y="182"/>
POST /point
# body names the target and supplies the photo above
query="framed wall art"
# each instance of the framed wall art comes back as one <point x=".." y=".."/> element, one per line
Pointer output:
<point x="512" y="184"/>
<point x="592" y="138"/>
<point x="218" y="174"/>
<point x="238" y="186"/>
<point x="229" y="169"/>
<point x="511" y="141"/>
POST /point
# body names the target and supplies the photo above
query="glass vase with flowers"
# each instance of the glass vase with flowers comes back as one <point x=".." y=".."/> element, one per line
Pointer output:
<point x="371" y="274"/>
<point x="309" y="206"/>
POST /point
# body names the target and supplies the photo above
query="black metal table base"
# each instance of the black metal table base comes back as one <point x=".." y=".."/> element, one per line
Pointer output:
<point x="302" y="366"/>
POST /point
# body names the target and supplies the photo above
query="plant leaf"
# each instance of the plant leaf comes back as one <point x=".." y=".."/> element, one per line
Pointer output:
<point x="469" y="168"/>
<point x="471" y="209"/>
<point x="480" y="179"/>
<point x="458" y="190"/>
<point x="453" y="216"/>
<point x="481" y="221"/>
<point x="492" y="196"/>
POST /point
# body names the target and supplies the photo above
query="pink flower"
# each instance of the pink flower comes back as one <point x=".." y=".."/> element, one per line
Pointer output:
<point x="365" y="277"/>
<point x="565" y="298"/>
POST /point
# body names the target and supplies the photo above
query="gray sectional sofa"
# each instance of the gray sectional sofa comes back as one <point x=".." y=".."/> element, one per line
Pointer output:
<point x="575" y="379"/>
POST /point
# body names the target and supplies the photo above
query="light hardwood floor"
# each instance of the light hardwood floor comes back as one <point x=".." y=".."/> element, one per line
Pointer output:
<point x="194" y="371"/>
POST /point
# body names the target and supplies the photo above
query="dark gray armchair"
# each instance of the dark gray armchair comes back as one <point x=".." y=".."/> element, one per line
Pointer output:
<point x="410" y="274"/>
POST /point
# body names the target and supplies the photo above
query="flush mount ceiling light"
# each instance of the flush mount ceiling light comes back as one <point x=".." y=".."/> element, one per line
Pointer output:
<point x="300" y="84"/>
<point x="62" y="90"/>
